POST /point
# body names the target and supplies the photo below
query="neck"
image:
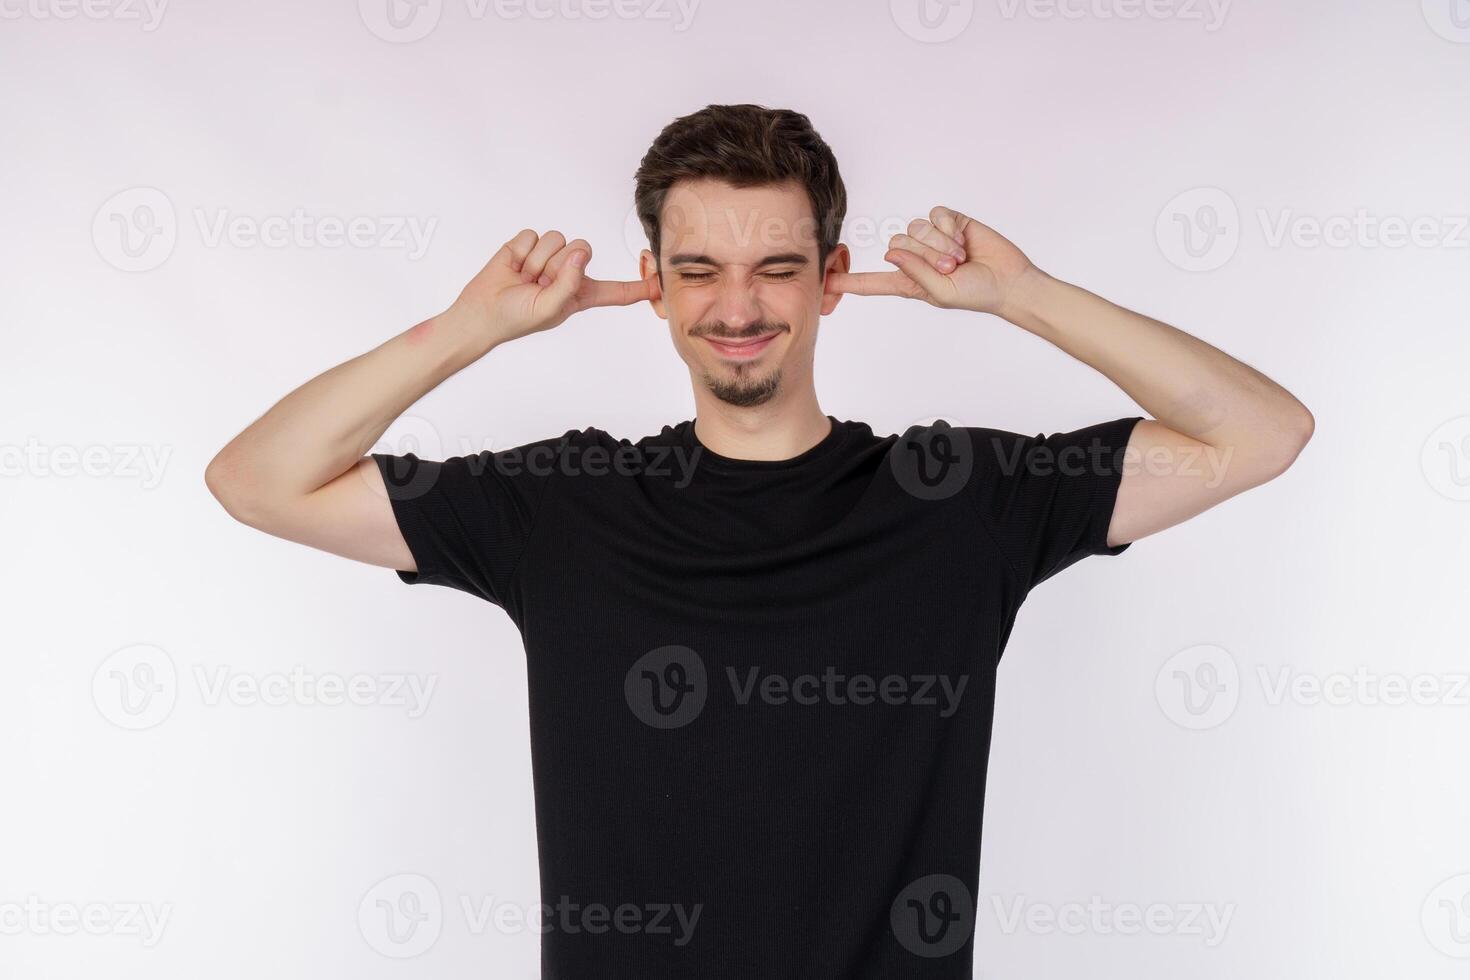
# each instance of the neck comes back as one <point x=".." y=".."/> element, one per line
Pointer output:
<point x="779" y="429"/>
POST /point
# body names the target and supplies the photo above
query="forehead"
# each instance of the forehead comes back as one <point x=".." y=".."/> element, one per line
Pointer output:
<point x="737" y="224"/>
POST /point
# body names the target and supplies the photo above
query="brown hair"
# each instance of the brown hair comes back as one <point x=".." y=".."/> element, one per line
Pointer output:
<point x="745" y="146"/>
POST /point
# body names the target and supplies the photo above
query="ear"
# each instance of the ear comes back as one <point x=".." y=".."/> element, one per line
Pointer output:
<point x="648" y="269"/>
<point x="839" y="261"/>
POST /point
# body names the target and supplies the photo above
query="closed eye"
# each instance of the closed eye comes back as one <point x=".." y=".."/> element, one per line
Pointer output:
<point x="702" y="276"/>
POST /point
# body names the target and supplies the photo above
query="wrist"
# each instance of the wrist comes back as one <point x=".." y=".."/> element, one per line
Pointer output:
<point x="451" y="341"/>
<point x="1025" y="299"/>
<point x="469" y="329"/>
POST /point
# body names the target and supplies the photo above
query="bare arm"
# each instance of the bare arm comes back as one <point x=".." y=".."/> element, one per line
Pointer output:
<point x="1219" y="426"/>
<point x="299" y="471"/>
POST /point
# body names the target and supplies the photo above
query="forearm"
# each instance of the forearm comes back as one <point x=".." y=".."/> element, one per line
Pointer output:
<point x="321" y="429"/>
<point x="1183" y="382"/>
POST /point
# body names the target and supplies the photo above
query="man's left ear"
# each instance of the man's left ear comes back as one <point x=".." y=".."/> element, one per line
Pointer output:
<point x="648" y="269"/>
<point x="839" y="261"/>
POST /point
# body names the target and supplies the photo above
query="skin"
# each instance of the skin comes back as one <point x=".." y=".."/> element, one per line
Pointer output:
<point x="737" y="264"/>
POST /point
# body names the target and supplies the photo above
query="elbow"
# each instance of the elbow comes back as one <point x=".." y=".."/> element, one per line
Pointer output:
<point x="228" y="484"/>
<point x="1307" y="424"/>
<point x="1289" y="438"/>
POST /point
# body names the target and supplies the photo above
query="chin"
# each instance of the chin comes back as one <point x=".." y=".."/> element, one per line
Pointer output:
<point x="741" y="389"/>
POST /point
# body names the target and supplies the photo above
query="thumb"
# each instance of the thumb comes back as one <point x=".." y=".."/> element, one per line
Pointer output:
<point x="568" y="280"/>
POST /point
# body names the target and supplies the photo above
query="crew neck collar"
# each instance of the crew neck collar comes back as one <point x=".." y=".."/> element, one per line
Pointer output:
<point x="830" y="441"/>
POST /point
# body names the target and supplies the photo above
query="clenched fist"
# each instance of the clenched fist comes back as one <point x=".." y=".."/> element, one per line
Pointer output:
<point x="535" y="282"/>
<point x="949" y="260"/>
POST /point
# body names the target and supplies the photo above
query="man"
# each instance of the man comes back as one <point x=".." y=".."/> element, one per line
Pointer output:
<point x="762" y="644"/>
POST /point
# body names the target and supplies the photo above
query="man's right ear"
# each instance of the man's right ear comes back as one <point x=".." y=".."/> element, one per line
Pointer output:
<point x="648" y="269"/>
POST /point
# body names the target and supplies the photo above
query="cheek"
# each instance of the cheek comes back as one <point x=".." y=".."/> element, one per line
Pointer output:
<point x="791" y="304"/>
<point x="685" y="310"/>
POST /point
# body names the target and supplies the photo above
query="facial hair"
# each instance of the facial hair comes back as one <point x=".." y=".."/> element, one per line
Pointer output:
<point x="741" y="390"/>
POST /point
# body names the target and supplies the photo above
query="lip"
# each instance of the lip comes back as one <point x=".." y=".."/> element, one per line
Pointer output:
<point x="743" y="349"/>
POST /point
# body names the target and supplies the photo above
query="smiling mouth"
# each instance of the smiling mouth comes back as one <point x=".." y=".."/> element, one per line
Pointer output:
<point x="741" y="348"/>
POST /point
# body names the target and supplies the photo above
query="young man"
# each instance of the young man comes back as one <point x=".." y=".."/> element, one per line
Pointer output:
<point x="762" y="645"/>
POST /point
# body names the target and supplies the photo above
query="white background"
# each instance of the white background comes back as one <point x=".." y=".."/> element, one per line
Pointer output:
<point x="1331" y="831"/>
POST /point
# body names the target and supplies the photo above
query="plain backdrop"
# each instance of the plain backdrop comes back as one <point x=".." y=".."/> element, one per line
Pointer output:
<point x="1236" y="751"/>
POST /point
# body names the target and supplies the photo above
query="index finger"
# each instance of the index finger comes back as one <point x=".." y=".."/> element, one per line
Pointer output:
<point x="868" y="283"/>
<point x="602" y="292"/>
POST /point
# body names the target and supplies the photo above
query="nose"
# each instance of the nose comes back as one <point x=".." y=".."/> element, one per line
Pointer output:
<point x="736" y="304"/>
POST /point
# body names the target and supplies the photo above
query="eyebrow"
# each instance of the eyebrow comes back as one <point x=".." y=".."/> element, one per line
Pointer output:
<point x="782" y="258"/>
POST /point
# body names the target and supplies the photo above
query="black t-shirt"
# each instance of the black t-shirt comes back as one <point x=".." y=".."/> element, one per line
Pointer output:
<point x="760" y="691"/>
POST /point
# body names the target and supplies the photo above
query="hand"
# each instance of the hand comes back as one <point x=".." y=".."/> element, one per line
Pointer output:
<point x="535" y="282"/>
<point x="950" y="261"/>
